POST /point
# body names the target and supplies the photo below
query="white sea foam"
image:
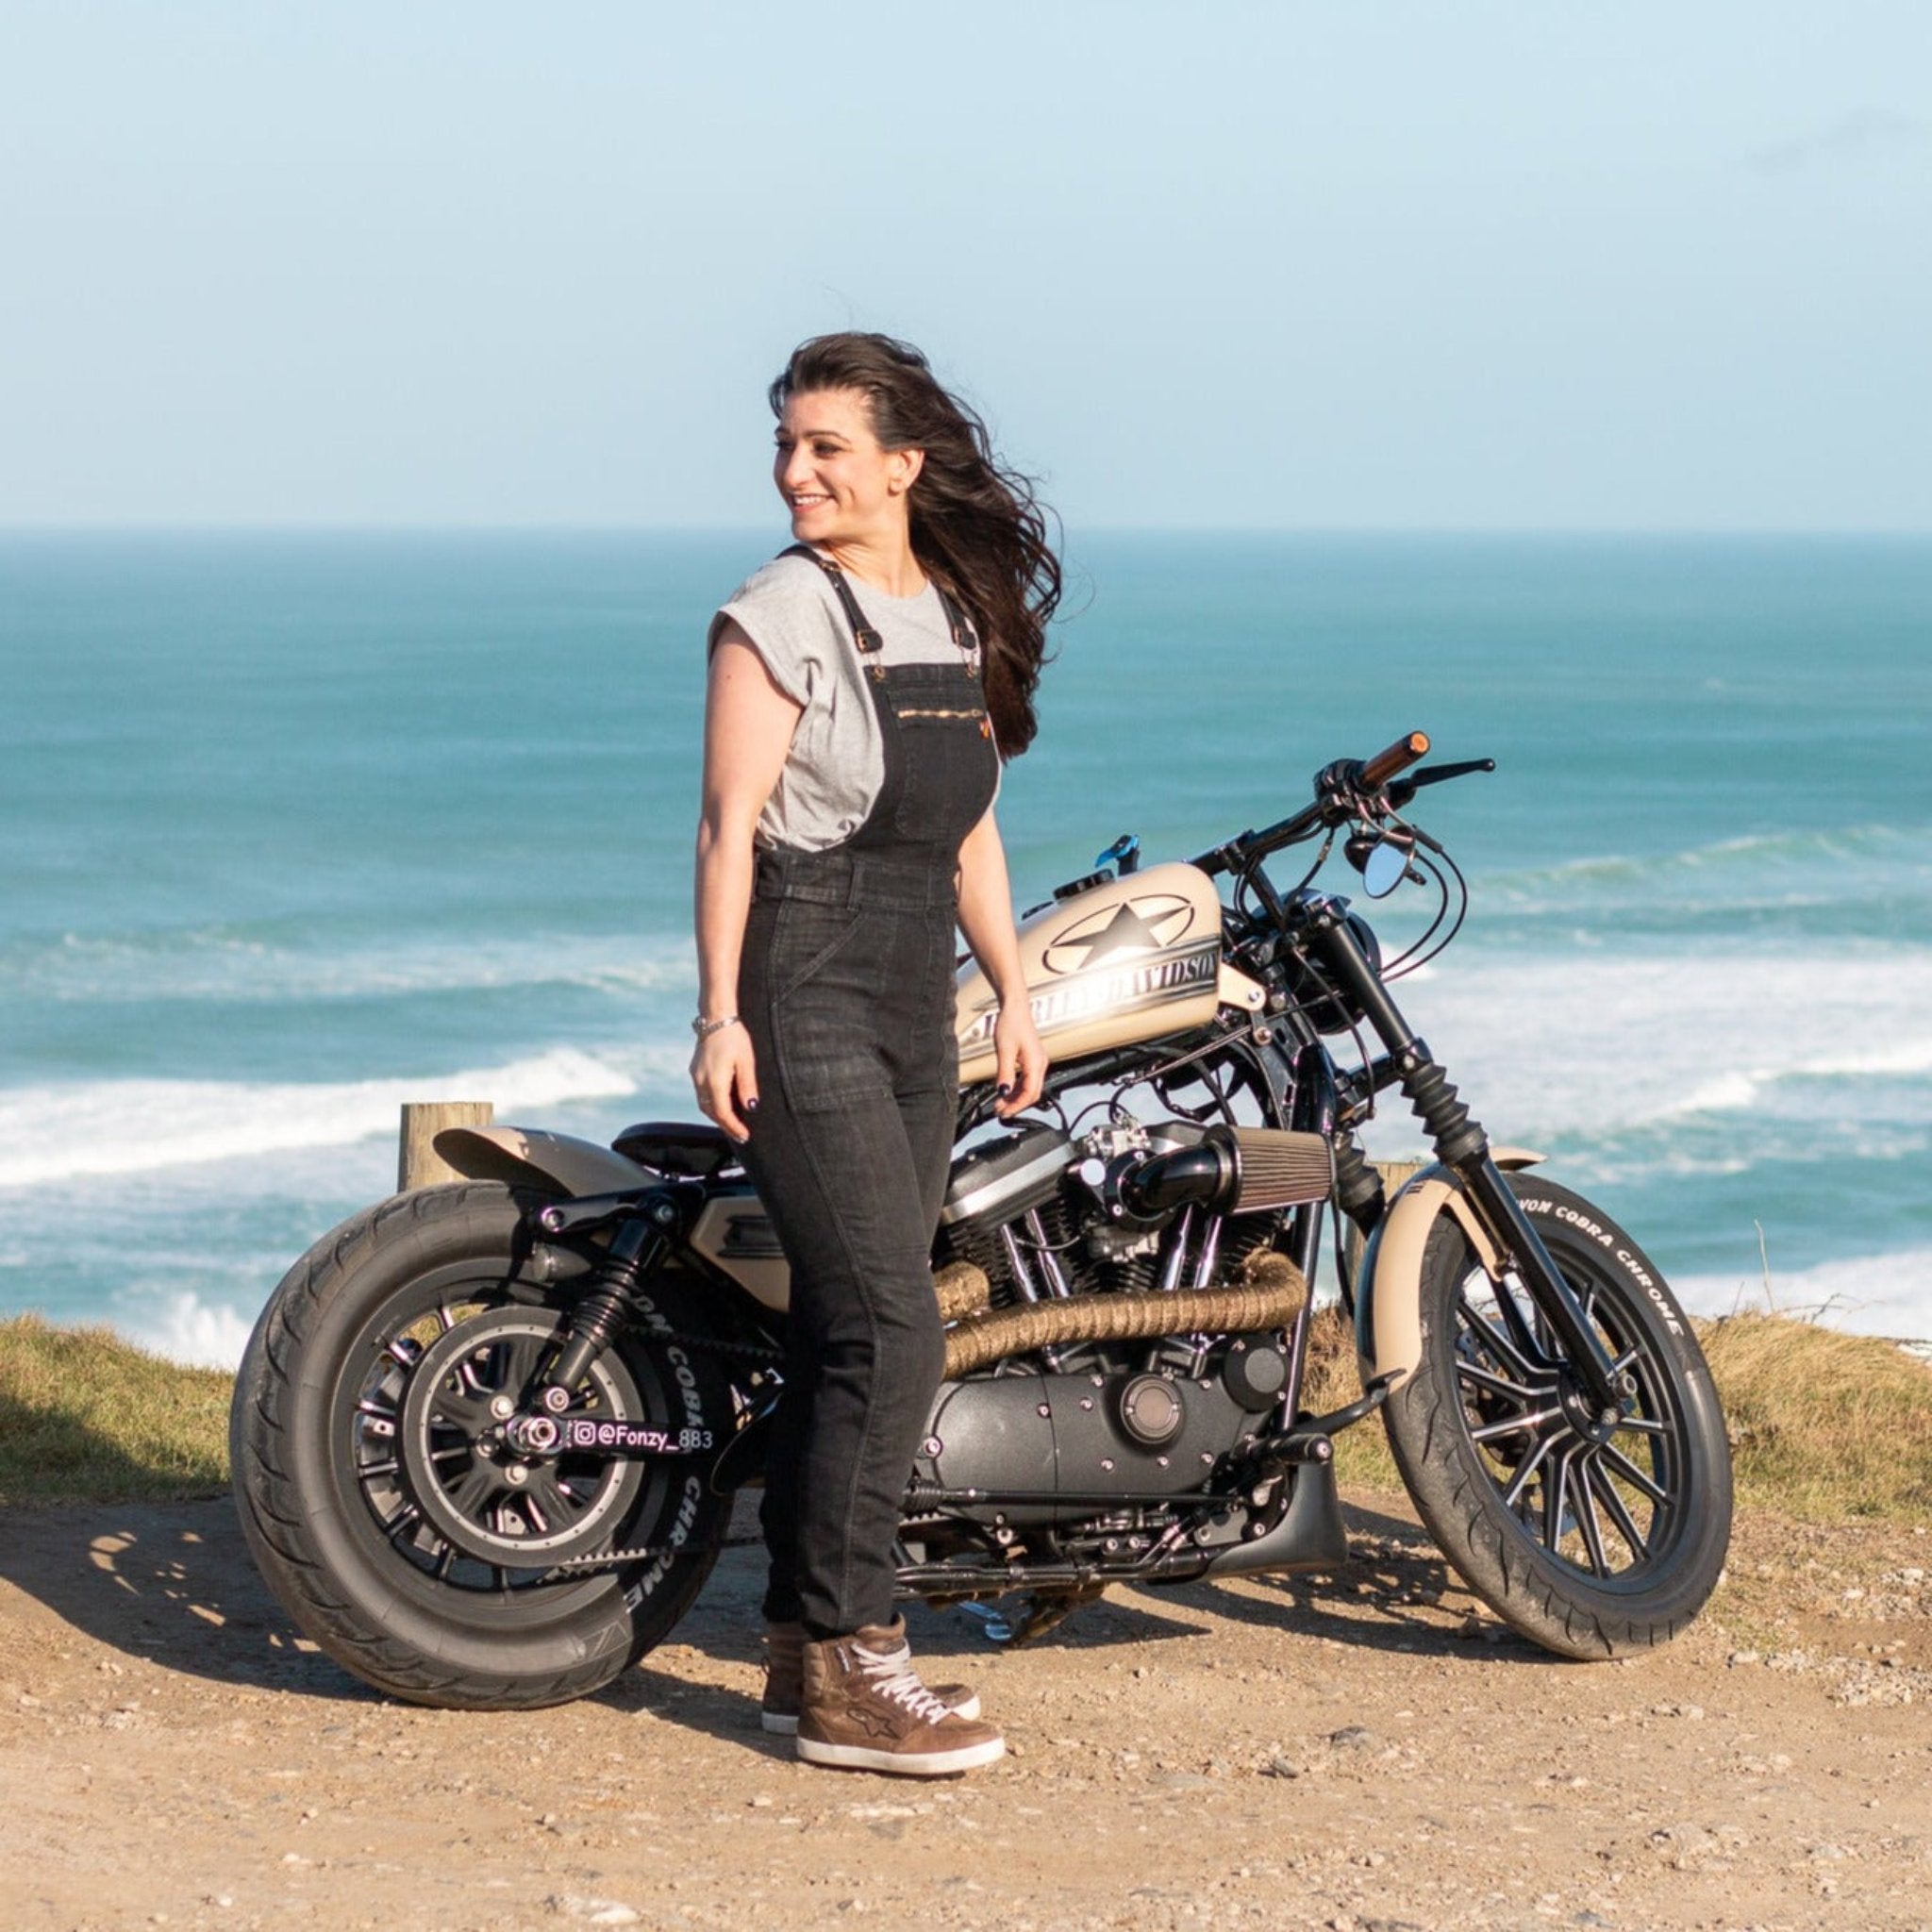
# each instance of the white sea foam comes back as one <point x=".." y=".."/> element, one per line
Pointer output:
<point x="1725" y="1092"/>
<point x="57" y="1133"/>
<point x="1906" y="1057"/>
<point x="1868" y="1295"/>
<point x="188" y="1329"/>
<point x="1595" y="1042"/>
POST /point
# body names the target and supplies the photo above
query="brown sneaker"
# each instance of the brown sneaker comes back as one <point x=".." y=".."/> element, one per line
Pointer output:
<point x="785" y="1682"/>
<point x="865" y="1710"/>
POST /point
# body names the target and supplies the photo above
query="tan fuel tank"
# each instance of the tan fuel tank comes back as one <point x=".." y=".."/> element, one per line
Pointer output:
<point x="1127" y="960"/>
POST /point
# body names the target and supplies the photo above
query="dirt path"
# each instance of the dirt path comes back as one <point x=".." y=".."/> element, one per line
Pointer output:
<point x="1356" y="1753"/>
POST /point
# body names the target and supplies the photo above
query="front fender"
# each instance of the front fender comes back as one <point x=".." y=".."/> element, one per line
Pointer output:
<point x="1387" y="1290"/>
<point x="532" y="1157"/>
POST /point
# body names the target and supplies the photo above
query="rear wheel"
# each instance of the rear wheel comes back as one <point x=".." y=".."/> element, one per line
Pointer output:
<point x="1593" y="1539"/>
<point x="400" y="1527"/>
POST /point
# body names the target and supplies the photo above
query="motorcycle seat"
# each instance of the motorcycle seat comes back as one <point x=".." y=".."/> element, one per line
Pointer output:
<point x="689" y="1149"/>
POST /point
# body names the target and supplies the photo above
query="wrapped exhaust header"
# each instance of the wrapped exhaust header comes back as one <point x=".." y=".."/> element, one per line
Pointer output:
<point x="1269" y="1294"/>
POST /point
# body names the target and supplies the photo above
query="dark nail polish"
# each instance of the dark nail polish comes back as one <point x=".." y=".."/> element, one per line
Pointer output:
<point x="1004" y="1091"/>
<point x="750" y="1105"/>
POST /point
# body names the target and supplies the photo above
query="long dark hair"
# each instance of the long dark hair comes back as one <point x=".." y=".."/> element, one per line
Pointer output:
<point x="976" y="524"/>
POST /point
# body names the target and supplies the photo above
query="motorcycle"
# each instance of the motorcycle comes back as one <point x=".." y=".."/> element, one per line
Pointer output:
<point x="486" y="1435"/>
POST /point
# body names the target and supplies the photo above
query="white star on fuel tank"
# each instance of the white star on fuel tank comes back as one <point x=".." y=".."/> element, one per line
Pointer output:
<point x="1125" y="932"/>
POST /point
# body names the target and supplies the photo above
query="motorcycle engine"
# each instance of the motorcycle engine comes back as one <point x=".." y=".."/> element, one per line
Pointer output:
<point x="1091" y="1421"/>
<point x="1027" y="1207"/>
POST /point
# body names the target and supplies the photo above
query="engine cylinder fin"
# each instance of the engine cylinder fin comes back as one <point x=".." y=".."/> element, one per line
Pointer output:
<point x="1272" y="1299"/>
<point x="1280" y="1169"/>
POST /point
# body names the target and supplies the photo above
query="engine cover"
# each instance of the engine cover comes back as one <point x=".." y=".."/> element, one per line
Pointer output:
<point x="1000" y="1179"/>
<point x="1076" y="1433"/>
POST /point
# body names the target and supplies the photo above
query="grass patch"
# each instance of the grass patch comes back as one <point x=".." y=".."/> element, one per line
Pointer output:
<point x="1825" y="1427"/>
<point x="84" y="1417"/>
<point x="1332" y="1382"/>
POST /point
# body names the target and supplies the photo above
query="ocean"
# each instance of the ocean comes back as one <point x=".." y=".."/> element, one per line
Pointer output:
<point x="295" y="827"/>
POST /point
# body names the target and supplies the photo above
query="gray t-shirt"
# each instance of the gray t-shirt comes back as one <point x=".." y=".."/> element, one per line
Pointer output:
<point x="836" y="763"/>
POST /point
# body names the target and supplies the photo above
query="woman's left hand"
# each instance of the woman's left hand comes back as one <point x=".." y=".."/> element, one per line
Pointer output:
<point x="1021" y="1058"/>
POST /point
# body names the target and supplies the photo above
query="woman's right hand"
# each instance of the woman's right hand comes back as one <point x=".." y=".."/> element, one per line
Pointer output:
<point x="724" y="1074"/>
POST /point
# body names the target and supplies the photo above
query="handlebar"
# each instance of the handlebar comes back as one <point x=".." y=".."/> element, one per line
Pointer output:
<point x="1341" y="789"/>
<point x="1386" y="764"/>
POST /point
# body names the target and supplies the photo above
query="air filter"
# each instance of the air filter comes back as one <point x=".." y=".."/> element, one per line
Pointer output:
<point x="1278" y="1169"/>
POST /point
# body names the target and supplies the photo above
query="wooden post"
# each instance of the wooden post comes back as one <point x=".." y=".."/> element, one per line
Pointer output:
<point x="418" y="1163"/>
<point x="1394" y="1173"/>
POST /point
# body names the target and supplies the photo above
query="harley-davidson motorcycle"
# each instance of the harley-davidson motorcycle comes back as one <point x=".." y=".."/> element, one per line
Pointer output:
<point x="486" y="1435"/>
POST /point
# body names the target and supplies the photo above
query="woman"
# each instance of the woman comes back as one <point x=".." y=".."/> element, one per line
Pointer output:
<point x="863" y="688"/>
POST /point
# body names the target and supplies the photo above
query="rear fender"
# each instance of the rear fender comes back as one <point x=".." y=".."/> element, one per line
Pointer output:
<point x="1388" y="1293"/>
<point x="732" y="1232"/>
<point x="530" y="1158"/>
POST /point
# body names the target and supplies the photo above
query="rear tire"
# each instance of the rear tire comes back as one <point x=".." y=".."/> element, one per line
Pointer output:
<point x="1592" y="1543"/>
<point x="336" y="1522"/>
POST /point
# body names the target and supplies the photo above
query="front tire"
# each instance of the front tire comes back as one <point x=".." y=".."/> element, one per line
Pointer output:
<point x="394" y="1546"/>
<point x="1591" y="1542"/>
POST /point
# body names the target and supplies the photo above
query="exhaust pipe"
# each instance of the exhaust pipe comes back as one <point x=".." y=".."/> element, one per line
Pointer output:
<point x="1232" y="1171"/>
<point x="1270" y="1294"/>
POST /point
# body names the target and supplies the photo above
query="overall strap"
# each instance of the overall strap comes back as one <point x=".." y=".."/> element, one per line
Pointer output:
<point x="869" y="641"/>
<point x="963" y="633"/>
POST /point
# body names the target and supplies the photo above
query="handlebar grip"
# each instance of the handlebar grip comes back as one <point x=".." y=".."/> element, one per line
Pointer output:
<point x="1404" y="752"/>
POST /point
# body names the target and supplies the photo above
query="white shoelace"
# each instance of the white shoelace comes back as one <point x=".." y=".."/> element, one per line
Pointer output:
<point x="893" y="1677"/>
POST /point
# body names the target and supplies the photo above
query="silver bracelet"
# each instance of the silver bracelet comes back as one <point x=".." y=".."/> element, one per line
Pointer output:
<point x="704" y="1028"/>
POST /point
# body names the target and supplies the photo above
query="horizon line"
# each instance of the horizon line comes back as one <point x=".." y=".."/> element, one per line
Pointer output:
<point x="345" y="527"/>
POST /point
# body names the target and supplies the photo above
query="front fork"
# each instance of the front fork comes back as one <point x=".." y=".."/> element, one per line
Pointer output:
<point x="1462" y="1147"/>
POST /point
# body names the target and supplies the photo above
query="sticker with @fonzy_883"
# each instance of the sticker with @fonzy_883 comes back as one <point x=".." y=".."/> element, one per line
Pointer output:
<point x="632" y="1438"/>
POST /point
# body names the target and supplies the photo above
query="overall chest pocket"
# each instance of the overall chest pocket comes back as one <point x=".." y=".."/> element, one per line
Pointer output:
<point x="949" y="768"/>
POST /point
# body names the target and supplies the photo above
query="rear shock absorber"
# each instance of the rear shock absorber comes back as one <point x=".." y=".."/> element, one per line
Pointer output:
<point x="637" y="1246"/>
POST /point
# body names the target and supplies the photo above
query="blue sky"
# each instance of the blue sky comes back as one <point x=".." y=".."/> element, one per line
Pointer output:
<point x="1367" y="266"/>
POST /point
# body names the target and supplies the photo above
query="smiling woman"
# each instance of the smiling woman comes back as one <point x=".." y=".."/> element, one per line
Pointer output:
<point x="863" y="688"/>
<point x="834" y="473"/>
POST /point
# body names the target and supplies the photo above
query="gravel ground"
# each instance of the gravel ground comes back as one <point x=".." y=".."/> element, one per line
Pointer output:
<point x="1363" y="1753"/>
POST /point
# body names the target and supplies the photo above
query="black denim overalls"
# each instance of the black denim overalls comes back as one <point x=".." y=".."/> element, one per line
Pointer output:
<point x="846" y="986"/>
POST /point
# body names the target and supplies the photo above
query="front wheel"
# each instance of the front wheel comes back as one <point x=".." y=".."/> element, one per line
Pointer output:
<point x="1593" y="1539"/>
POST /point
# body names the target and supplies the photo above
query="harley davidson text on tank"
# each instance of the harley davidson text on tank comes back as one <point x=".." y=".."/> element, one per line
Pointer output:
<point x="486" y="1435"/>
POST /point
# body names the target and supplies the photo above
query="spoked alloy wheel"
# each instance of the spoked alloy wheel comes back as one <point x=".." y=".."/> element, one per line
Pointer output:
<point x="393" y="1505"/>
<point x="1598" y="1494"/>
<point x="1594" y="1534"/>
<point x="501" y="1496"/>
<point x="434" y="1456"/>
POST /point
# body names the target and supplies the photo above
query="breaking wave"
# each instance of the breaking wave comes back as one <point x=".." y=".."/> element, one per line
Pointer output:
<point x="62" y="1132"/>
